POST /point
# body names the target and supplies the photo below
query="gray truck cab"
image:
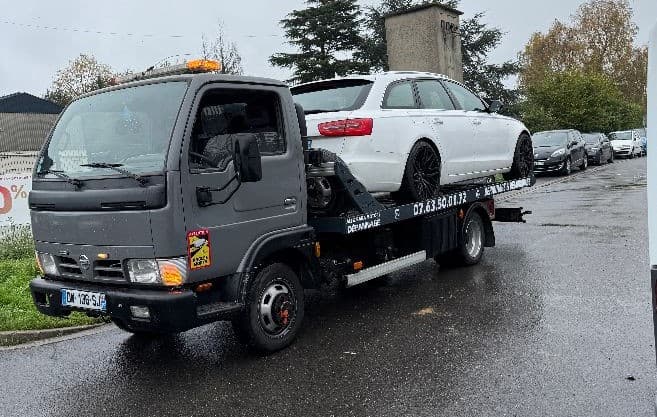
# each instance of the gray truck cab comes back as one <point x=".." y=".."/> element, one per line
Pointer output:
<point x="152" y="200"/>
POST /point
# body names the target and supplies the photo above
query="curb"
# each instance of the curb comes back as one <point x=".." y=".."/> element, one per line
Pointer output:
<point x="13" y="339"/>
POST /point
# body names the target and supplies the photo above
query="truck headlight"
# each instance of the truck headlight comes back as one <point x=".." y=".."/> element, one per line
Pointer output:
<point x="169" y="272"/>
<point x="47" y="264"/>
<point x="558" y="152"/>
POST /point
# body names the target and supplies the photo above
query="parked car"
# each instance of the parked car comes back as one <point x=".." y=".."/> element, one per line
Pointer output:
<point x="598" y="148"/>
<point x="626" y="143"/>
<point x="559" y="151"/>
<point x="408" y="133"/>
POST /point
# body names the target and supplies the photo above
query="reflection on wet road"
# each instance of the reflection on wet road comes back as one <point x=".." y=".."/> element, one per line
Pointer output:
<point x="552" y="322"/>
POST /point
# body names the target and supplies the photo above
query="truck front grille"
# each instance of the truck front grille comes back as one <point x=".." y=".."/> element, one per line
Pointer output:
<point x="69" y="267"/>
<point x="108" y="269"/>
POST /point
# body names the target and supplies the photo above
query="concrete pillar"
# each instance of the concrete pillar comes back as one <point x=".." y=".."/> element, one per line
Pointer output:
<point x="425" y="38"/>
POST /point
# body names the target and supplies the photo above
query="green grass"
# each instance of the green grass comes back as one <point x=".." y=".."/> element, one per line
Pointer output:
<point x="17" y="269"/>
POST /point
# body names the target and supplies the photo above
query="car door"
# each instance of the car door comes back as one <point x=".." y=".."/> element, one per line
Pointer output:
<point x="492" y="148"/>
<point x="452" y="129"/>
<point x="240" y="214"/>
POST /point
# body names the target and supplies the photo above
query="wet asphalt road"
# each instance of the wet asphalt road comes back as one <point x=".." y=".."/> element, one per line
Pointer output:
<point x="552" y="322"/>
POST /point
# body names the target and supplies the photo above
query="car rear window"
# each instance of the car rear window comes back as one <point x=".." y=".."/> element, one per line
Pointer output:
<point x="331" y="96"/>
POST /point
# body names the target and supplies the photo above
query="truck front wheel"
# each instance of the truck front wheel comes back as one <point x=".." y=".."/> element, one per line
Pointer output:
<point x="274" y="309"/>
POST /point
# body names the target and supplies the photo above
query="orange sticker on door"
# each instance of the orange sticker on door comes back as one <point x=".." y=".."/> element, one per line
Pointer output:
<point x="198" y="249"/>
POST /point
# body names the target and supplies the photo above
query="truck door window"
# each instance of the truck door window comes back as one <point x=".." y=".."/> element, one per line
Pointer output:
<point x="225" y="113"/>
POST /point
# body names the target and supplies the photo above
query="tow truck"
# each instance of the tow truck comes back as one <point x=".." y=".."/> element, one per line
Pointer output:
<point x="183" y="197"/>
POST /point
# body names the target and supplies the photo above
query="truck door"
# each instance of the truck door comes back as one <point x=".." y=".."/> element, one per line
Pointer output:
<point x="239" y="214"/>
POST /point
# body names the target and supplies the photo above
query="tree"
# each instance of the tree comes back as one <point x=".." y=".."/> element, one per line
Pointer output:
<point x="589" y="102"/>
<point x="82" y="75"/>
<point x="326" y="34"/>
<point x="224" y="51"/>
<point x="478" y="40"/>
<point x="599" y="39"/>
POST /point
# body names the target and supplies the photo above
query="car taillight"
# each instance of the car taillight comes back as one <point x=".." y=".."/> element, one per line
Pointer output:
<point x="349" y="127"/>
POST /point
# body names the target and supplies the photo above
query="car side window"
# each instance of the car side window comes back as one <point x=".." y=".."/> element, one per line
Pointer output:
<point x="225" y="114"/>
<point x="433" y="95"/>
<point x="467" y="100"/>
<point x="400" y="96"/>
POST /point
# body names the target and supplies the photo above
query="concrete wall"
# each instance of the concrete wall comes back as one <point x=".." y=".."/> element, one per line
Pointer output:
<point x="425" y="39"/>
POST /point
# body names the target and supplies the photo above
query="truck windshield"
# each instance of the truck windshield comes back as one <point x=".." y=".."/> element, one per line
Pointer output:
<point x="331" y="96"/>
<point x="130" y="128"/>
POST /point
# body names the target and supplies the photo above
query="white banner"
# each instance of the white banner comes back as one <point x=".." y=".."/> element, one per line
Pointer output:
<point x="14" y="189"/>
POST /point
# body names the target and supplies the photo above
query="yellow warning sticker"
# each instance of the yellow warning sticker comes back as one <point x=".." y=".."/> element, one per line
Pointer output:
<point x="198" y="249"/>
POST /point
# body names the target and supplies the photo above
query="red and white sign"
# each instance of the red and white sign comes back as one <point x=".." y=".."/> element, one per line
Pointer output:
<point x="14" y="189"/>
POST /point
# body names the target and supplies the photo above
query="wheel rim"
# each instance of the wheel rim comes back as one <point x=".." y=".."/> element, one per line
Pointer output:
<point x="426" y="172"/>
<point x="474" y="238"/>
<point x="568" y="166"/>
<point x="525" y="163"/>
<point x="586" y="161"/>
<point x="276" y="309"/>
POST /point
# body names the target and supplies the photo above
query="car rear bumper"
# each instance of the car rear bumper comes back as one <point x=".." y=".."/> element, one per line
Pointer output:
<point x="170" y="311"/>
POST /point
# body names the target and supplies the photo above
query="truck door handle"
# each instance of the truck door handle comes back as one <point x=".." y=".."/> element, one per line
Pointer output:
<point x="290" y="202"/>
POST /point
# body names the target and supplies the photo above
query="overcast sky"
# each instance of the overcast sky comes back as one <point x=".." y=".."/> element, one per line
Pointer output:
<point x="137" y="34"/>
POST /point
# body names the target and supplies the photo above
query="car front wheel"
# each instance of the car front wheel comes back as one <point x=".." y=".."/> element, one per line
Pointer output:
<point x="585" y="163"/>
<point x="567" y="167"/>
<point x="421" y="179"/>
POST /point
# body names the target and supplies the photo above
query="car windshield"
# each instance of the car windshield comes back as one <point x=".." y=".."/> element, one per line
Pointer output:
<point x="330" y="96"/>
<point x="547" y="139"/>
<point x="621" y="135"/>
<point x="592" y="139"/>
<point x="129" y="128"/>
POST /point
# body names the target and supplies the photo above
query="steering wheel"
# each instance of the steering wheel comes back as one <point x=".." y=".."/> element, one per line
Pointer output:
<point x="202" y="158"/>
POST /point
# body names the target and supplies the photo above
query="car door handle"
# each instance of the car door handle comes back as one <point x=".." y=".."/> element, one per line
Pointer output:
<point x="290" y="202"/>
<point x="476" y="122"/>
<point x="438" y="121"/>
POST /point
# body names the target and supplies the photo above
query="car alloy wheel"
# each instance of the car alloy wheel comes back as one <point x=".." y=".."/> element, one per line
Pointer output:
<point x="568" y="168"/>
<point x="421" y="179"/>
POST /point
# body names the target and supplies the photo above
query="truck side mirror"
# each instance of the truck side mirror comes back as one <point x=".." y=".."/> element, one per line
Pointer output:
<point x="246" y="157"/>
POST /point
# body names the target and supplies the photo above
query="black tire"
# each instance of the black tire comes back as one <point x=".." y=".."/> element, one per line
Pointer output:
<point x="523" y="159"/>
<point x="611" y="158"/>
<point x="471" y="244"/>
<point x="567" y="167"/>
<point x="585" y="163"/>
<point x="631" y="155"/>
<point x="421" y="179"/>
<point x="274" y="309"/>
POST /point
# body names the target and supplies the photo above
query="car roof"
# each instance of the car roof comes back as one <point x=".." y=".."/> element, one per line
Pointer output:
<point x="381" y="76"/>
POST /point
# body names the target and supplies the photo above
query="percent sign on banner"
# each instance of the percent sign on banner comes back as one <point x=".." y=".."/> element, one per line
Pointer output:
<point x="14" y="189"/>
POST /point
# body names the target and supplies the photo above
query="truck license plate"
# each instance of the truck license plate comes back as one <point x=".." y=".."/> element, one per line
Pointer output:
<point x="84" y="299"/>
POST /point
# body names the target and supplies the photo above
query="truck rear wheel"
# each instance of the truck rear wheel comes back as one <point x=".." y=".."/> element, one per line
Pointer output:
<point x="471" y="246"/>
<point x="274" y="309"/>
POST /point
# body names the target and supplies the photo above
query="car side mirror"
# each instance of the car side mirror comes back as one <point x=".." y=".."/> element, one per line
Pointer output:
<point x="495" y="106"/>
<point x="246" y="157"/>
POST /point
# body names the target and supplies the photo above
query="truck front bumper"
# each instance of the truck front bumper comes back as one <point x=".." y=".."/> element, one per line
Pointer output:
<point x="169" y="311"/>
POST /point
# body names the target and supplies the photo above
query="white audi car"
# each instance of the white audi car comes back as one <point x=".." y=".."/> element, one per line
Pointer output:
<point x="408" y="133"/>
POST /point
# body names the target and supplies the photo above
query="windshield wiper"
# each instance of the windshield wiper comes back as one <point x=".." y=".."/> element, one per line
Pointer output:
<point x="60" y="174"/>
<point x="117" y="167"/>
